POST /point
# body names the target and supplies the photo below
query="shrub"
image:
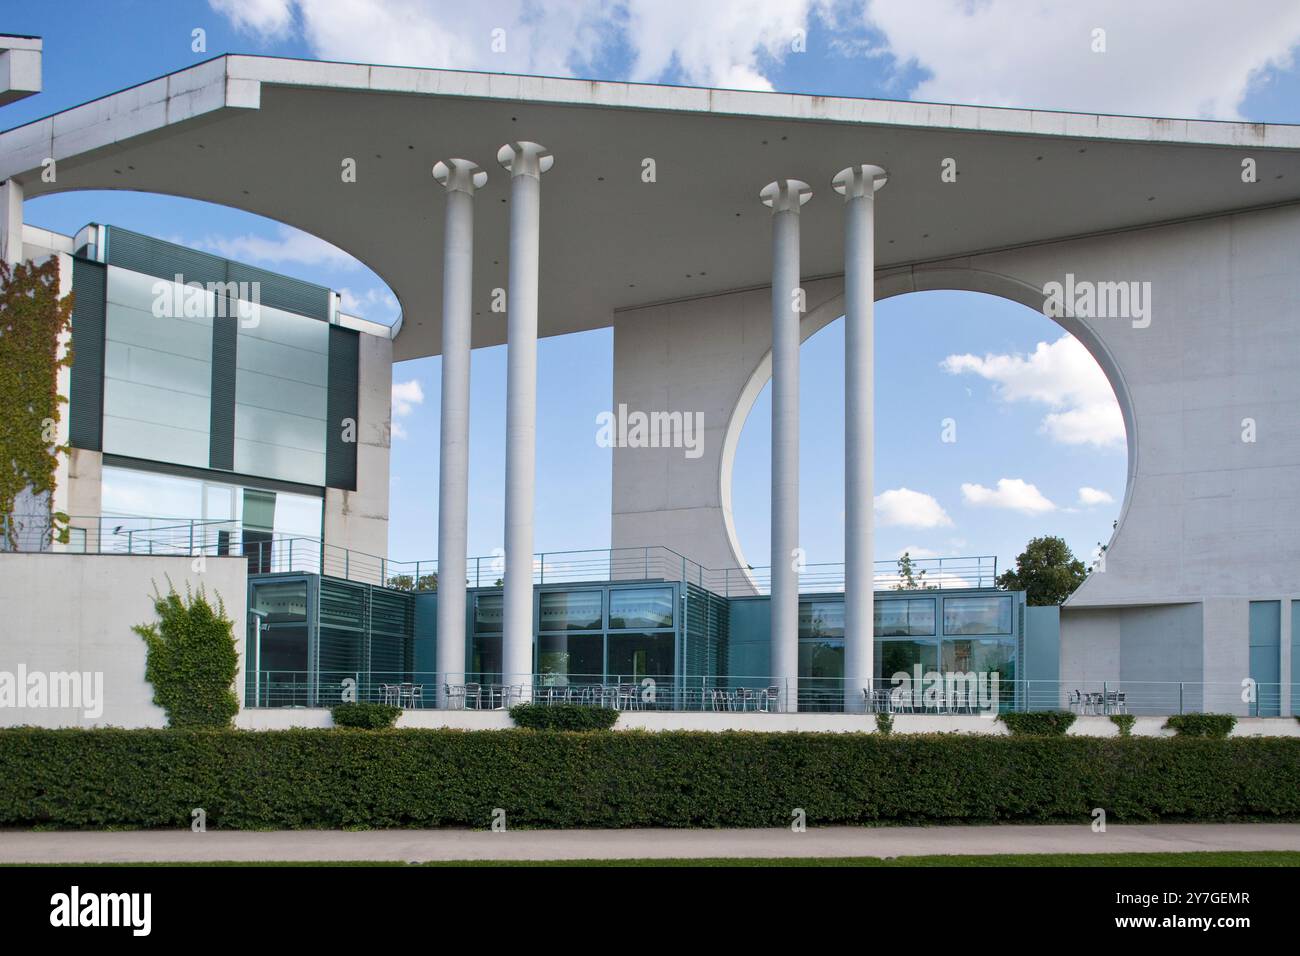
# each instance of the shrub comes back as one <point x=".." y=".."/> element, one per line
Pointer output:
<point x="563" y="717"/>
<point x="365" y="716"/>
<point x="1124" y="722"/>
<point x="192" y="659"/>
<point x="1038" y="723"/>
<point x="1217" y="726"/>
<point x="884" y="723"/>
<point x="303" y="779"/>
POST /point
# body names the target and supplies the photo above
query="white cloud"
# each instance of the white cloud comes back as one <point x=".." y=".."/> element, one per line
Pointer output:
<point x="912" y="509"/>
<point x="1061" y="375"/>
<point x="269" y="17"/>
<point x="289" y="245"/>
<point x="726" y="43"/>
<point x="375" y="303"/>
<point x="1094" y="496"/>
<point x="406" y="395"/>
<point x="1013" y="494"/>
<point x="916" y="552"/>
<point x="1163" y="57"/>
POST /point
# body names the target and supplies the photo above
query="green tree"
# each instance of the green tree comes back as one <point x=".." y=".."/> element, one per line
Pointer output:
<point x="407" y="582"/>
<point x="909" y="578"/>
<point x="192" y="659"/>
<point x="1047" y="571"/>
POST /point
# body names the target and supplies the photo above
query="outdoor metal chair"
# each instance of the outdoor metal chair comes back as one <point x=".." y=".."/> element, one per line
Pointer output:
<point x="473" y="692"/>
<point x="770" y="698"/>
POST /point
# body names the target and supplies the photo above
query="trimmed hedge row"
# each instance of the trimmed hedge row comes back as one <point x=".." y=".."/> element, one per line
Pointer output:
<point x="430" y="778"/>
<point x="563" y="716"/>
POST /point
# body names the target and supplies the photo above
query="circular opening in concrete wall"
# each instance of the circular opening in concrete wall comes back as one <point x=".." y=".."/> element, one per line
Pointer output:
<point x="993" y="425"/>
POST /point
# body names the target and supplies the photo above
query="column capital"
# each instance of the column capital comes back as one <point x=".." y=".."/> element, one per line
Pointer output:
<point x="525" y="159"/>
<point x="785" y="195"/>
<point x="851" y="183"/>
<point x="459" y="175"/>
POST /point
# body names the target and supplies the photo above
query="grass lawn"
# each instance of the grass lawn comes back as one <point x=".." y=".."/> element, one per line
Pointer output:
<point x="1196" y="859"/>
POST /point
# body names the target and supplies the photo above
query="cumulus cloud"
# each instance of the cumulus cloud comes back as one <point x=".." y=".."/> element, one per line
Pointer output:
<point x="724" y="43"/>
<point x="1011" y="494"/>
<point x="1061" y="375"/>
<point x="1094" y="496"/>
<point x="1162" y="57"/>
<point x="903" y="507"/>
<point x="288" y="245"/>
<point x="406" y="395"/>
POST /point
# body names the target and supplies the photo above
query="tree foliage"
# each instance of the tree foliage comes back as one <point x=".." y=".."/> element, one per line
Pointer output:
<point x="32" y="320"/>
<point x="193" y="659"/>
<point x="1047" y="571"/>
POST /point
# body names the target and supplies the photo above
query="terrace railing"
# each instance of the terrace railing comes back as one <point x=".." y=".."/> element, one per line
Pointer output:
<point x="754" y="693"/>
<point x="269" y="552"/>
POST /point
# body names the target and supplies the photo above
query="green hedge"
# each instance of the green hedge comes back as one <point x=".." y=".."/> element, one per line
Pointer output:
<point x="431" y="778"/>
<point x="365" y="715"/>
<point x="1217" y="726"/>
<point x="1038" y="723"/>
<point x="563" y="717"/>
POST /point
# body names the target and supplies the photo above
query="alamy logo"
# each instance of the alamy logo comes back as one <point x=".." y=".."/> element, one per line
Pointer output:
<point x="974" y="691"/>
<point x="53" y="690"/>
<point x="75" y="908"/>
<point x="1084" y="299"/>
<point x="626" y="429"/>
<point x="179" y="299"/>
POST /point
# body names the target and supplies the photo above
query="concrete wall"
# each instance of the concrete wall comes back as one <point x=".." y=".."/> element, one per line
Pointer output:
<point x="1207" y="517"/>
<point x="71" y="612"/>
<point x="1084" y="726"/>
<point x="358" y="520"/>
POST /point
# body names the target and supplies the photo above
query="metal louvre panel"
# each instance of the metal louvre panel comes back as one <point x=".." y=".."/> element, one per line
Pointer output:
<point x="221" y="428"/>
<point x="140" y="253"/>
<point x="86" y="381"/>
<point x="341" y="404"/>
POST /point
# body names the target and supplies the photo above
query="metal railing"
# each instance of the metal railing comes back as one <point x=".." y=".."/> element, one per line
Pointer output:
<point x="269" y="552"/>
<point x="950" y="695"/>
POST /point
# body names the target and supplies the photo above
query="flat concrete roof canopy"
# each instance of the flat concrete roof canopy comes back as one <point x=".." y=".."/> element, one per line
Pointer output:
<point x="269" y="136"/>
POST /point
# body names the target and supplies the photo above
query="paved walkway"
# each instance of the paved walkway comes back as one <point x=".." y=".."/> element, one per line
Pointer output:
<point x="423" y="845"/>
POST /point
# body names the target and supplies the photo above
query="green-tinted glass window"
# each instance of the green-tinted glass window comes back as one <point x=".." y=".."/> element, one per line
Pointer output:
<point x="977" y="615"/>
<point x="818" y="619"/>
<point x="641" y="608"/>
<point x="569" y="611"/>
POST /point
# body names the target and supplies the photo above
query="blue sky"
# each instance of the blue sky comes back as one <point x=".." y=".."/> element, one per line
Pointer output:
<point x="1037" y="450"/>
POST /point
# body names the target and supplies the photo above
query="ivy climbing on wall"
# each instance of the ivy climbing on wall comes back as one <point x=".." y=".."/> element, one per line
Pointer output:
<point x="32" y="320"/>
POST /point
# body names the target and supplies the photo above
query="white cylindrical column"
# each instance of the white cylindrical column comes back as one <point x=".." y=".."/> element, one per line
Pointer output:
<point x="526" y="163"/>
<point x="461" y="178"/>
<point x="785" y="197"/>
<point x="858" y="185"/>
<point x="11" y="222"/>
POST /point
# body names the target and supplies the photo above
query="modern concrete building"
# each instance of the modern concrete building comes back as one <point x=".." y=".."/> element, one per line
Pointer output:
<point x="705" y="228"/>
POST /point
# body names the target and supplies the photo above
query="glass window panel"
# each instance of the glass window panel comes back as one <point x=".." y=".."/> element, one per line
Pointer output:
<point x="977" y="615"/>
<point x="488" y="613"/>
<point x="984" y="657"/>
<point x="570" y="611"/>
<point x="641" y="607"/>
<point x="565" y="658"/>
<point x="821" y="619"/>
<point x="906" y="617"/>
<point x="281" y="601"/>
<point x="821" y="675"/>
<point x="298" y="515"/>
<point x="634" y="656"/>
<point x="127" y="492"/>
<point x="157" y="376"/>
<point x="281" y="394"/>
<point x="893" y="657"/>
<point x="485" y="659"/>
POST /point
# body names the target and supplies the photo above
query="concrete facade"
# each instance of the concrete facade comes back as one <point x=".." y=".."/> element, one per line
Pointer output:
<point x="67" y="613"/>
<point x="358" y="520"/>
<point x="1207" y="517"/>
